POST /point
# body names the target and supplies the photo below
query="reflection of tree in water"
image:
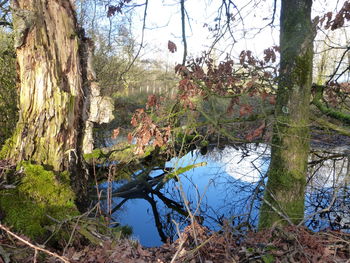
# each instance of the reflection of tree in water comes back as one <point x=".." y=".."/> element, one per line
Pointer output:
<point x="238" y="199"/>
<point x="235" y="203"/>
<point x="247" y="167"/>
<point x="238" y="193"/>
<point x="327" y="199"/>
<point x="142" y="186"/>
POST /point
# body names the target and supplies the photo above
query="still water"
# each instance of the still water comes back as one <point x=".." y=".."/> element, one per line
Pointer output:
<point x="220" y="189"/>
<point x="228" y="189"/>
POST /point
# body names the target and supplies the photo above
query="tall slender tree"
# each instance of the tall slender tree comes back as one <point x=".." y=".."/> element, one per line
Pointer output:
<point x="284" y="195"/>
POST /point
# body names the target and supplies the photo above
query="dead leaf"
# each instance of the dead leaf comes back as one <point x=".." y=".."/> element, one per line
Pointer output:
<point x="130" y="137"/>
<point x="245" y="109"/>
<point x="115" y="133"/>
<point x="172" y="47"/>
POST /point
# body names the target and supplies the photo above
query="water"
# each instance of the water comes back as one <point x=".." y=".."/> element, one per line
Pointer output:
<point x="218" y="190"/>
<point x="229" y="187"/>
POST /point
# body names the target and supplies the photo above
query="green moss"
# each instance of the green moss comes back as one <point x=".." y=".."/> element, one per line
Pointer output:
<point x="43" y="186"/>
<point x="95" y="154"/>
<point x="39" y="195"/>
<point x="125" y="153"/>
<point x="22" y="214"/>
<point x="303" y="68"/>
<point x="122" y="232"/>
<point x="268" y="258"/>
<point x="6" y="148"/>
<point x="286" y="194"/>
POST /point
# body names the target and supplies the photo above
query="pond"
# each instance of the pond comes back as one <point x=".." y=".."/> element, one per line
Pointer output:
<point x="227" y="188"/>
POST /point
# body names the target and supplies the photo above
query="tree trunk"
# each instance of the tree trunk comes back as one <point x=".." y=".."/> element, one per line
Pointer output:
<point x="284" y="194"/>
<point x="53" y="87"/>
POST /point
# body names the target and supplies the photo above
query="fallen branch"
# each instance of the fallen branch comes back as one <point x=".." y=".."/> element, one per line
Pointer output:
<point x="36" y="248"/>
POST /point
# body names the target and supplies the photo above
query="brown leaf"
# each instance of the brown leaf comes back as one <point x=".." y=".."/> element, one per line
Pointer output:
<point x="112" y="10"/>
<point x="146" y="137"/>
<point x="245" y="109"/>
<point x="264" y="95"/>
<point x="130" y="137"/>
<point x="250" y="84"/>
<point x="152" y="101"/>
<point x="133" y="121"/>
<point x="115" y="133"/>
<point x="139" y="150"/>
<point x="172" y="47"/>
<point x="272" y="100"/>
<point x="256" y="133"/>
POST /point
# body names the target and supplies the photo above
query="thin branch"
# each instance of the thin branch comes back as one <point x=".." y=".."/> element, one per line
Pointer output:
<point x="338" y="66"/>
<point x="5" y="23"/>
<point x="278" y="212"/>
<point x="2" y="3"/>
<point x="119" y="206"/>
<point x="327" y="209"/>
<point x="141" y="44"/>
<point x="64" y="259"/>
<point x="183" y="24"/>
<point x="274" y="13"/>
<point x="182" y="242"/>
<point x="342" y="73"/>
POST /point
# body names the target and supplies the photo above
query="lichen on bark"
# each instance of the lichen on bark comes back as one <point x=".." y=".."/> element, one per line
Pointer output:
<point x="283" y="201"/>
<point x="55" y="83"/>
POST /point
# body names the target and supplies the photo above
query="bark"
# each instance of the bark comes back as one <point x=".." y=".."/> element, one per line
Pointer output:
<point x="284" y="194"/>
<point x="54" y="88"/>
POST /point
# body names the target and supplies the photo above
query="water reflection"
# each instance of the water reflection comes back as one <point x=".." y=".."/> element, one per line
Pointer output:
<point x="327" y="197"/>
<point x="230" y="188"/>
<point x="221" y="189"/>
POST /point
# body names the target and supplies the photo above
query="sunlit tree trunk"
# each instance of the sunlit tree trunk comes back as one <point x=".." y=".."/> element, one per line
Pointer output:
<point x="53" y="87"/>
<point x="284" y="193"/>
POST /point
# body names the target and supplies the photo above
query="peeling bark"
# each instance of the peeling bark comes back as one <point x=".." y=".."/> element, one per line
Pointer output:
<point x="100" y="107"/>
<point x="54" y="88"/>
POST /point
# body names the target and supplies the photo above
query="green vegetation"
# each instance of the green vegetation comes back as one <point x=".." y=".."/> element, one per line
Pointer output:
<point x="8" y="91"/>
<point x="221" y="103"/>
<point x="40" y="194"/>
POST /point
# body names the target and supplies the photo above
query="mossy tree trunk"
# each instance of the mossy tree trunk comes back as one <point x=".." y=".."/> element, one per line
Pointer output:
<point x="53" y="87"/>
<point x="284" y="194"/>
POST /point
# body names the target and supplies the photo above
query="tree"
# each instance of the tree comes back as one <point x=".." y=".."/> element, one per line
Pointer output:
<point x="283" y="200"/>
<point x="284" y="196"/>
<point x="56" y="88"/>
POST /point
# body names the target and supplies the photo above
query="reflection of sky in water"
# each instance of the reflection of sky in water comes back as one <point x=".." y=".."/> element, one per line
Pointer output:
<point x="328" y="177"/>
<point x="226" y="185"/>
<point x="222" y="188"/>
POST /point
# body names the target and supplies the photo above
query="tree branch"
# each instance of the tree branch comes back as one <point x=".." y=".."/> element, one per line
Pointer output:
<point x="183" y="31"/>
<point x="141" y="44"/>
<point x="36" y="248"/>
<point x="326" y="110"/>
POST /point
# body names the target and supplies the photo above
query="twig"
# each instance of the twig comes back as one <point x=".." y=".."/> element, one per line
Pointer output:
<point x="5" y="256"/>
<point x="273" y="14"/>
<point x="141" y="44"/>
<point x="278" y="212"/>
<point x="35" y="255"/>
<point x="326" y="209"/>
<point x="183" y="31"/>
<point x="338" y="66"/>
<point x="182" y="242"/>
<point x="36" y="248"/>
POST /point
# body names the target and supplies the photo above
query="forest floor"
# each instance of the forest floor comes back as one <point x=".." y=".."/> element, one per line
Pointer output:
<point x="290" y="244"/>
